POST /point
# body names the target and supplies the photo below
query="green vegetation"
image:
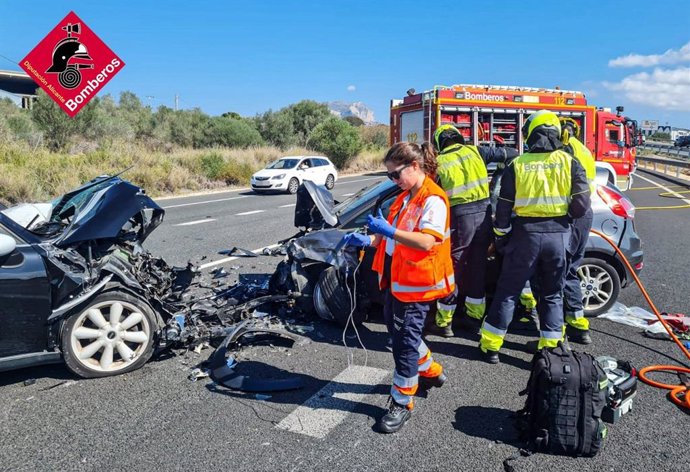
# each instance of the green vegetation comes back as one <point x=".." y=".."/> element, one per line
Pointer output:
<point x="44" y="153"/>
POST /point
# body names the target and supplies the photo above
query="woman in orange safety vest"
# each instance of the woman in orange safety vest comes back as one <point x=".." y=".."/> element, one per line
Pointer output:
<point x="415" y="269"/>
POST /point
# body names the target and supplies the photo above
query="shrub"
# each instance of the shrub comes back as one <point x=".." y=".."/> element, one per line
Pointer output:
<point x="337" y="139"/>
<point x="212" y="165"/>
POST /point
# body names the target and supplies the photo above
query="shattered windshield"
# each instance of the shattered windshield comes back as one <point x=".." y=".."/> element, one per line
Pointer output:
<point x="283" y="164"/>
<point x="70" y="205"/>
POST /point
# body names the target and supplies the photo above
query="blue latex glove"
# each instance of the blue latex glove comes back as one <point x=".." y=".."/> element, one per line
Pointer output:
<point x="379" y="225"/>
<point x="357" y="240"/>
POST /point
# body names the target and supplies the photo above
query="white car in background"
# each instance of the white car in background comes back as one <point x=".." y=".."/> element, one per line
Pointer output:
<point x="287" y="173"/>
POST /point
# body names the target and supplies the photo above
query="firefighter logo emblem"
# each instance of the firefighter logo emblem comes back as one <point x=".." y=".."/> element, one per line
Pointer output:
<point x="72" y="64"/>
<point x="67" y="57"/>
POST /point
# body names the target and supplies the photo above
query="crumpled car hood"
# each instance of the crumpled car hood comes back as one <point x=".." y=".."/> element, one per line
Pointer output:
<point x="322" y="200"/>
<point x="110" y="210"/>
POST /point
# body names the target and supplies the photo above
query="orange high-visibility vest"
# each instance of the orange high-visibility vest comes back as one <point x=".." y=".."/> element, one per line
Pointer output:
<point x="417" y="275"/>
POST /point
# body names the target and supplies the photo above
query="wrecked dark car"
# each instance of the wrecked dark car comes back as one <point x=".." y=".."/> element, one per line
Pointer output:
<point x="76" y="285"/>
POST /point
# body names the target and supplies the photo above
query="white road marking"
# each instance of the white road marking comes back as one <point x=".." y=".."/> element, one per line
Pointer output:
<point x="348" y="194"/>
<point x="253" y="212"/>
<point x="288" y="205"/>
<point x="328" y="407"/>
<point x="201" y="203"/>
<point x="197" y="222"/>
<point x="675" y="194"/>
<point x="229" y="259"/>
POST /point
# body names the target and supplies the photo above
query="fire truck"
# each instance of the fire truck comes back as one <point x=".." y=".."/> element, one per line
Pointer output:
<point x="494" y="115"/>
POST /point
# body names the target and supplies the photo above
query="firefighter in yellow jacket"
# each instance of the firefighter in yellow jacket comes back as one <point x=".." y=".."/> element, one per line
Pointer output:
<point x="577" y="326"/>
<point x="545" y="189"/>
<point x="415" y="269"/>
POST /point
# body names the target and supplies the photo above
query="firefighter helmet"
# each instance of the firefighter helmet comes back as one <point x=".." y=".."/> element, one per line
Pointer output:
<point x="542" y="118"/>
<point x="572" y="126"/>
<point x="65" y="50"/>
<point x="444" y="133"/>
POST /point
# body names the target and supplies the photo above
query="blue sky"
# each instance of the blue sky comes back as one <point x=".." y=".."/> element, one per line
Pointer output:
<point x="249" y="57"/>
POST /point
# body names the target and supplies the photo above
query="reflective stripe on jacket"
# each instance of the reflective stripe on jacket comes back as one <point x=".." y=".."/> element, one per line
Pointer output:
<point x="417" y="275"/>
<point x="462" y="174"/>
<point x="584" y="156"/>
<point x="542" y="184"/>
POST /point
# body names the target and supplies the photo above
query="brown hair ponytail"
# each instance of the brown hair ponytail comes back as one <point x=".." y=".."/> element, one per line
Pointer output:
<point x="430" y="162"/>
<point x="406" y="153"/>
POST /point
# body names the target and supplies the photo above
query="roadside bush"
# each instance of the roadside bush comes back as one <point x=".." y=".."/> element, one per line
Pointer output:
<point x="236" y="173"/>
<point x="230" y="132"/>
<point x="276" y="128"/>
<point x="212" y="165"/>
<point x="374" y="137"/>
<point x="337" y="139"/>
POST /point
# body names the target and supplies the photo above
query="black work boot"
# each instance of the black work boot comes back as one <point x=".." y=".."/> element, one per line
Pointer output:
<point x="395" y="419"/>
<point x="469" y="324"/>
<point x="579" y="336"/>
<point x="443" y="331"/>
<point x="428" y="382"/>
<point x="489" y="356"/>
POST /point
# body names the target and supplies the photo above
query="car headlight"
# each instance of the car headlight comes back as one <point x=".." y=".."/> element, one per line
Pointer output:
<point x="278" y="177"/>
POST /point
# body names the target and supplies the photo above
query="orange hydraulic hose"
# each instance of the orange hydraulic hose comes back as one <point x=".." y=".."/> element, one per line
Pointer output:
<point x="676" y="391"/>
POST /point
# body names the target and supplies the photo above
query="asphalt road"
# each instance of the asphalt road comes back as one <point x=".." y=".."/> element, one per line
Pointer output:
<point x="156" y="418"/>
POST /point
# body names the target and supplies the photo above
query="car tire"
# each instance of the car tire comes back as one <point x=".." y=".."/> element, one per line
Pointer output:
<point x="600" y="285"/>
<point x="330" y="182"/>
<point x="293" y="185"/>
<point x="332" y="299"/>
<point x="111" y="335"/>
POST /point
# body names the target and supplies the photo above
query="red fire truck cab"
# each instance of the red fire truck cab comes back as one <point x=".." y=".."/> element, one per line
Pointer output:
<point x="491" y="114"/>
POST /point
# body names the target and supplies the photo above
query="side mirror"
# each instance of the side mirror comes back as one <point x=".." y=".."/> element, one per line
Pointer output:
<point x="7" y="245"/>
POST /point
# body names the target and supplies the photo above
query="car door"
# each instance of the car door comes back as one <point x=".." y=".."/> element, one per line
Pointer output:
<point x="25" y="302"/>
<point x="308" y="170"/>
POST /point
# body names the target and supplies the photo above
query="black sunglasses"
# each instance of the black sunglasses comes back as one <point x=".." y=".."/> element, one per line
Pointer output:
<point x="395" y="175"/>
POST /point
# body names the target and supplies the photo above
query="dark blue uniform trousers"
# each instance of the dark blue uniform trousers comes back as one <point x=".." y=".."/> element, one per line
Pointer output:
<point x="529" y="254"/>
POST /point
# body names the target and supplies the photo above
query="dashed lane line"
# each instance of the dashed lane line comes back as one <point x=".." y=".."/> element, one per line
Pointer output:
<point x="253" y="212"/>
<point x="197" y="222"/>
<point x="328" y="407"/>
<point x="204" y="202"/>
<point x="288" y="205"/>
<point x="230" y="259"/>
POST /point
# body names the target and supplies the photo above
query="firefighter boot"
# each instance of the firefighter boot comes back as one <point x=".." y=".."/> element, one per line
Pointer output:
<point x="428" y="382"/>
<point x="579" y="336"/>
<point x="395" y="418"/>
<point x="442" y="331"/>
<point x="489" y="356"/>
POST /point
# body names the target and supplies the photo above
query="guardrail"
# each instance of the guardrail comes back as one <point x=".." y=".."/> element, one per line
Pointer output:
<point x="664" y="165"/>
<point x="667" y="149"/>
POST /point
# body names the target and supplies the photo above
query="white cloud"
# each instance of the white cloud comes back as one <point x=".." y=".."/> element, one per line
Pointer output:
<point x="671" y="56"/>
<point x="663" y="88"/>
<point x="351" y="88"/>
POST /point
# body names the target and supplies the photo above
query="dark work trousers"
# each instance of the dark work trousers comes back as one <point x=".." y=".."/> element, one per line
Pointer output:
<point x="470" y="238"/>
<point x="542" y="257"/>
<point x="405" y="322"/>
<point x="572" y="292"/>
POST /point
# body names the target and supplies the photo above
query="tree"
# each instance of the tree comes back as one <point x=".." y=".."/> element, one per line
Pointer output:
<point x="57" y="126"/>
<point x="230" y="132"/>
<point x="337" y="139"/>
<point x="355" y="121"/>
<point x="306" y="115"/>
<point x="231" y="114"/>
<point x="276" y="128"/>
<point x="374" y="137"/>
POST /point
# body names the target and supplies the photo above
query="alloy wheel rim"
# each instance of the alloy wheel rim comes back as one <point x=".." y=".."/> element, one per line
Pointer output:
<point x="596" y="285"/>
<point x="110" y="336"/>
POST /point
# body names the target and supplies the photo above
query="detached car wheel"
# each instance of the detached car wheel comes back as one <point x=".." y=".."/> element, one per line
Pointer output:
<point x="332" y="299"/>
<point x="114" y="334"/>
<point x="293" y="185"/>
<point x="600" y="285"/>
<point x="330" y="182"/>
